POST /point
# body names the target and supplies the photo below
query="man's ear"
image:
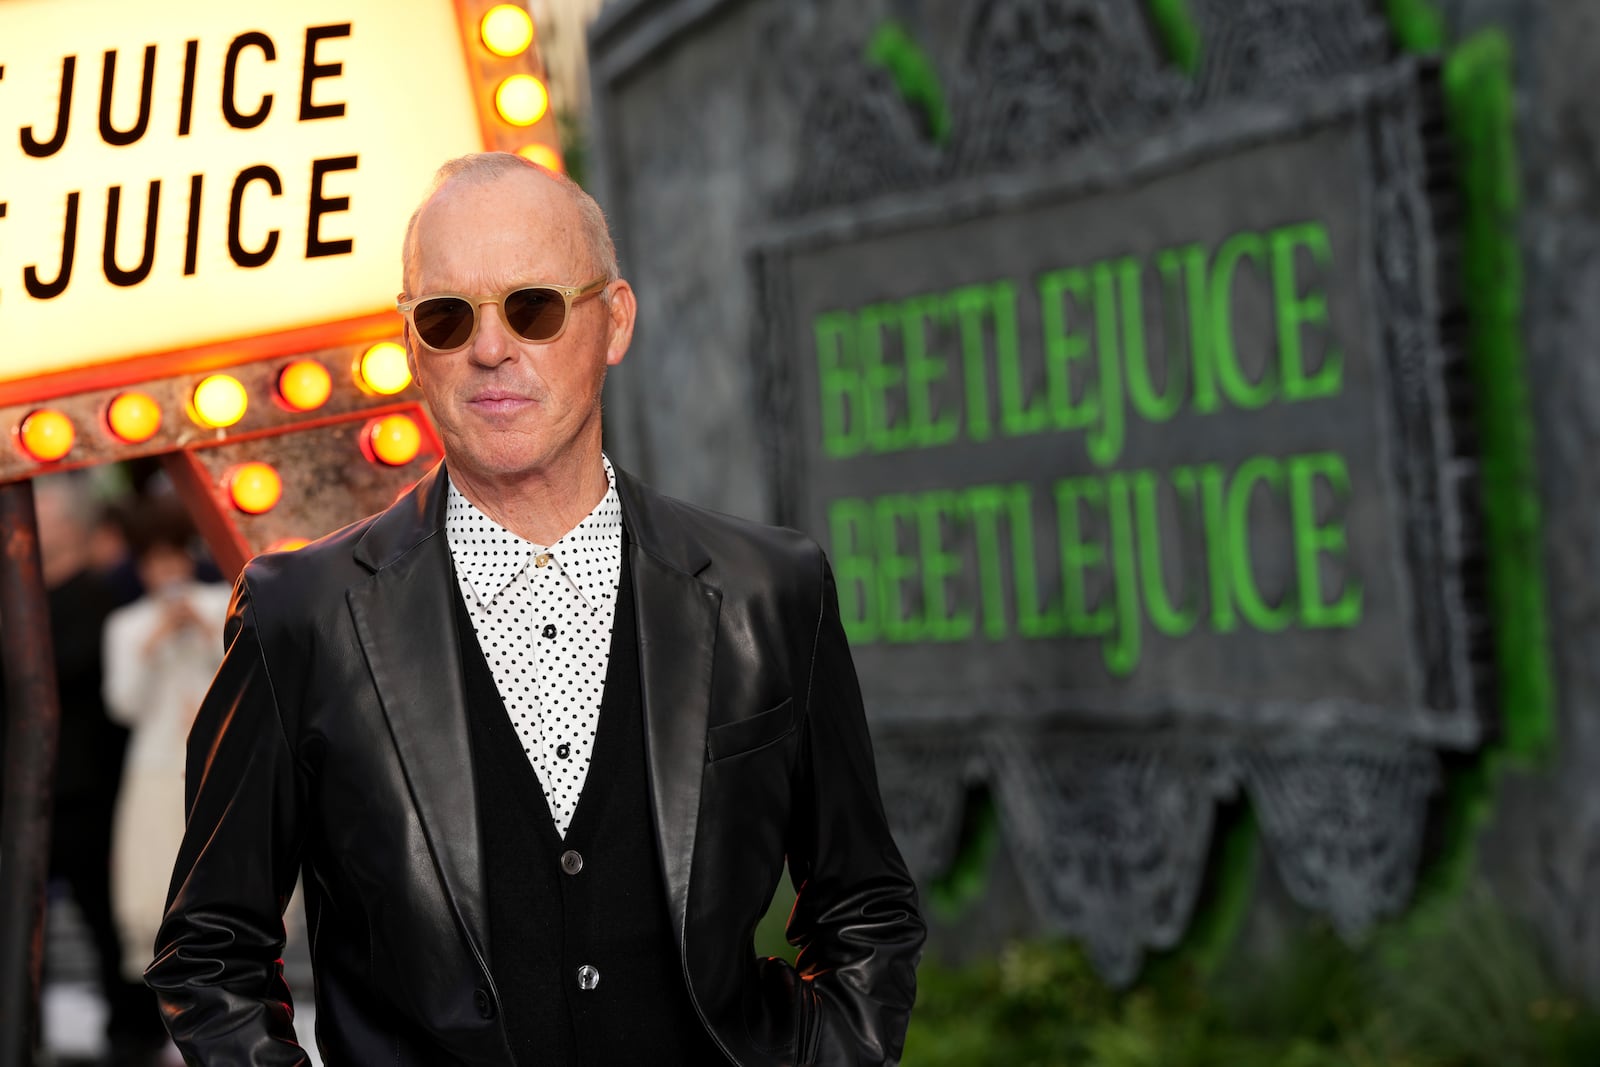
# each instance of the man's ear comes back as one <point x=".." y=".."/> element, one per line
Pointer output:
<point x="622" y="308"/>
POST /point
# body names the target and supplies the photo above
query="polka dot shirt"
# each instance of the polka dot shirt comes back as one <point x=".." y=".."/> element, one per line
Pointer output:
<point x="542" y="616"/>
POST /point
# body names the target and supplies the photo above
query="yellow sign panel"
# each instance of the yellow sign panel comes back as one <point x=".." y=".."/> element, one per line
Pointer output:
<point x="178" y="174"/>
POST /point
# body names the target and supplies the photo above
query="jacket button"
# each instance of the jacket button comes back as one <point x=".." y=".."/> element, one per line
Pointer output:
<point x="588" y="977"/>
<point x="571" y="861"/>
<point x="485" y="1006"/>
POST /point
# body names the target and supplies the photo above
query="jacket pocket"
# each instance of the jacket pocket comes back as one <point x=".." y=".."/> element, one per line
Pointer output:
<point x="747" y="735"/>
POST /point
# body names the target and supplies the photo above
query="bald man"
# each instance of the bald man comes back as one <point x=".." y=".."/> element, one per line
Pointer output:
<point x="540" y="740"/>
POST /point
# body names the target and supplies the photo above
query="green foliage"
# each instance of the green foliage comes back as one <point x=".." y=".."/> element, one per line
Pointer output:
<point x="914" y="76"/>
<point x="1417" y="24"/>
<point x="1465" y="989"/>
<point x="1180" y="36"/>
<point x="1478" y="91"/>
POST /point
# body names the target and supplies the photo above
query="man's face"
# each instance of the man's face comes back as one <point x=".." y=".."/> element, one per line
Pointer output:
<point x="506" y="407"/>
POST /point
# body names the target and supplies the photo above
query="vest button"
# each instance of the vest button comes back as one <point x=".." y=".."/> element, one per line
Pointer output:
<point x="485" y="1006"/>
<point x="571" y="861"/>
<point x="588" y="977"/>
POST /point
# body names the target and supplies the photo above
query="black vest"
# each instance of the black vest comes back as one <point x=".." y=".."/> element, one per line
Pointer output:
<point x="580" y="942"/>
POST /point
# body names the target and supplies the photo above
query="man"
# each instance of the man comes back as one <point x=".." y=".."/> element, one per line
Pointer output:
<point x="539" y="738"/>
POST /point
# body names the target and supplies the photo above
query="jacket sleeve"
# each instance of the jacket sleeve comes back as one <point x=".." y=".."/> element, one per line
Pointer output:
<point x="217" y="971"/>
<point x="855" y="918"/>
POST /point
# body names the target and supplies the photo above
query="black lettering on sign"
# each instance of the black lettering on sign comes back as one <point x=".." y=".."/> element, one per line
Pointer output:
<point x="115" y="274"/>
<point x="311" y="71"/>
<point x="40" y="149"/>
<point x="230" y="71"/>
<point x="191" y="244"/>
<point x="191" y="52"/>
<point x="109" y="133"/>
<point x="323" y="205"/>
<point x="40" y="290"/>
<point x="236" y="249"/>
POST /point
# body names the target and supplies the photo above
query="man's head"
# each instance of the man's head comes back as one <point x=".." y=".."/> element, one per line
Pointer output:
<point x="64" y="511"/>
<point x="160" y="534"/>
<point x="505" y="406"/>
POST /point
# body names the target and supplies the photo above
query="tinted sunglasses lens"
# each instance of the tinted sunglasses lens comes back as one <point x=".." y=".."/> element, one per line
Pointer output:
<point x="536" y="314"/>
<point x="443" y="322"/>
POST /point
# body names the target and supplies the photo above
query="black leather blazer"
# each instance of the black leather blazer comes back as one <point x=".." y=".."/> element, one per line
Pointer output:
<point x="334" y="743"/>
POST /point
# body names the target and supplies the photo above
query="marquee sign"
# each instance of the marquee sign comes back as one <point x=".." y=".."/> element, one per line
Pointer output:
<point x="201" y="213"/>
<point x="172" y="179"/>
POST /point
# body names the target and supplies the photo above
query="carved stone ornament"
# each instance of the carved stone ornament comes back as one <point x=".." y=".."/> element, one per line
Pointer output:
<point x="1065" y="118"/>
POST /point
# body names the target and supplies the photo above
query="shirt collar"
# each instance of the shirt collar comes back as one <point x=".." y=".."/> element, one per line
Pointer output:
<point x="488" y="556"/>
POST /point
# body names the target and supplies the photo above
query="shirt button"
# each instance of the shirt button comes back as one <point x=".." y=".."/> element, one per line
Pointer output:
<point x="571" y="861"/>
<point x="485" y="1006"/>
<point x="549" y="630"/>
<point x="588" y="977"/>
<point x="542" y="559"/>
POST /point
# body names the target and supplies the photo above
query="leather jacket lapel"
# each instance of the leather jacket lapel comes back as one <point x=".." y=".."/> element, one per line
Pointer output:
<point x="403" y="619"/>
<point x="677" y="616"/>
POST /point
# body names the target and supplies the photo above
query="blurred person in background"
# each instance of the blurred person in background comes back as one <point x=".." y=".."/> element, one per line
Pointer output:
<point x="110" y="554"/>
<point x="89" y="756"/>
<point x="160" y="654"/>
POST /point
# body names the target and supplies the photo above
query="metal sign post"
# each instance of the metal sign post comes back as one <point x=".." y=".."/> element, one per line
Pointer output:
<point x="31" y="728"/>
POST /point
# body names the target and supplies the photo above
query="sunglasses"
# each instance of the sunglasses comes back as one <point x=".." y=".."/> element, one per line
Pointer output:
<point x="445" y="322"/>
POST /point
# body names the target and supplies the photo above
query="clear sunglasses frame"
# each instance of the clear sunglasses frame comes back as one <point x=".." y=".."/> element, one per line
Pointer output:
<point x="570" y="296"/>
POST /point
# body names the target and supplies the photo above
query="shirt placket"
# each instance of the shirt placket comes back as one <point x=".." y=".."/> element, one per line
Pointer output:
<point x="555" y="611"/>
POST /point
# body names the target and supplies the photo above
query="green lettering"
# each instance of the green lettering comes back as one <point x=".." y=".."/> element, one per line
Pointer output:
<point x="1260" y="470"/>
<point x="1105" y="439"/>
<point x="984" y="504"/>
<point x="849" y="533"/>
<point x="1240" y="390"/>
<point x="1214" y="517"/>
<point x="1033" y="620"/>
<point x="1017" y="416"/>
<point x="1078" y="555"/>
<point x="938" y="566"/>
<point x="895" y="568"/>
<point x="923" y="370"/>
<point x="1190" y="260"/>
<point x="1063" y="348"/>
<point x="1142" y="394"/>
<point x="969" y="304"/>
<point x="1312" y="541"/>
<point x="1295" y="312"/>
<point x="1122" y="653"/>
<point x="1164" y="616"/>
<point x="878" y="377"/>
<point x="839" y="382"/>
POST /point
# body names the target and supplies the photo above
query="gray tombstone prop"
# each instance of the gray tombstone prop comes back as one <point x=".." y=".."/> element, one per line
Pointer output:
<point x="983" y="528"/>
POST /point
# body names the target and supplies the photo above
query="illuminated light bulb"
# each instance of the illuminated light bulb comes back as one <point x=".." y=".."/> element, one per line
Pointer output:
<point x="289" y="544"/>
<point x="133" y="418"/>
<point x="218" y="401"/>
<point x="506" y="30"/>
<point x="46" y="435"/>
<point x="394" y="440"/>
<point x="521" y="100"/>
<point x="304" y="385"/>
<point x="544" y="155"/>
<point x="255" y="488"/>
<point x="382" y="369"/>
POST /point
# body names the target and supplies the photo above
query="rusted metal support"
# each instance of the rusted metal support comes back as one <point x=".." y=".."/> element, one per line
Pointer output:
<point x="32" y="726"/>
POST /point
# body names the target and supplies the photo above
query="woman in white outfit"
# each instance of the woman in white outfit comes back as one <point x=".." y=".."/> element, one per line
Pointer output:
<point x="160" y="654"/>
